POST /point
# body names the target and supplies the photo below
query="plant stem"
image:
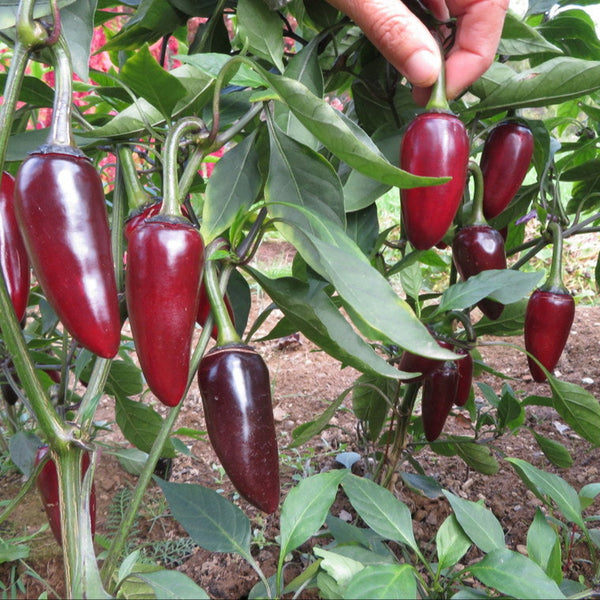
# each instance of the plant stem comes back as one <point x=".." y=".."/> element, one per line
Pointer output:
<point x="438" y="100"/>
<point x="171" y="194"/>
<point x="406" y="409"/>
<point x="476" y="217"/>
<point x="554" y="282"/>
<point x="136" y="195"/>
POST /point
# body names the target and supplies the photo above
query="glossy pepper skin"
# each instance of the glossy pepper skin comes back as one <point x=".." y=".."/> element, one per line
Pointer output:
<point x="162" y="282"/>
<point x="60" y="208"/>
<point x="465" y="377"/>
<point x="13" y="255"/>
<point x="548" y="320"/>
<point x="236" y="396"/>
<point x="505" y="160"/>
<point x="435" y="144"/>
<point x="413" y="363"/>
<point x="47" y="484"/>
<point x="139" y="215"/>
<point x="478" y="248"/>
<point x="439" y="393"/>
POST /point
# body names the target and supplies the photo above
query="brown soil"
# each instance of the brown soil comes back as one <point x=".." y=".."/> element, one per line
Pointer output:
<point x="304" y="382"/>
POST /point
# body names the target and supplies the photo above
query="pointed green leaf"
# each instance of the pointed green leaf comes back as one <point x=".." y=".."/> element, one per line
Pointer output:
<point x="552" y="82"/>
<point x="210" y="520"/>
<point x="299" y="175"/>
<point x="548" y="485"/>
<point x="380" y="510"/>
<point x="305" y="508"/>
<point x="383" y="582"/>
<point x="261" y="30"/>
<point x="315" y="314"/>
<point x="148" y="80"/>
<point x="173" y="585"/>
<point x="477" y="522"/>
<point x="515" y="575"/>
<point x="554" y="451"/>
<point x="543" y="544"/>
<point x="579" y="409"/>
<point x="451" y="542"/>
<point x="232" y="186"/>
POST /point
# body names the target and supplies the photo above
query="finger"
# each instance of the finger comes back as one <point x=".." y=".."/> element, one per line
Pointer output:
<point x="478" y="31"/>
<point x="399" y="35"/>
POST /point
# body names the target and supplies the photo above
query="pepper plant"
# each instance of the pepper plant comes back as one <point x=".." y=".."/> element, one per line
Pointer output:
<point x="309" y="127"/>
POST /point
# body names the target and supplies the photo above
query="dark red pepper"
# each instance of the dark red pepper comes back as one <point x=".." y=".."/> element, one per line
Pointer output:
<point x="61" y="211"/>
<point x="478" y="247"/>
<point x="465" y="377"/>
<point x="505" y="160"/>
<point x="8" y="393"/>
<point x="549" y="316"/>
<point x="236" y="395"/>
<point x="164" y="269"/>
<point x="413" y="363"/>
<point x="435" y="144"/>
<point x="13" y="255"/>
<point x="439" y="393"/>
<point x="165" y="260"/>
<point x="47" y="484"/>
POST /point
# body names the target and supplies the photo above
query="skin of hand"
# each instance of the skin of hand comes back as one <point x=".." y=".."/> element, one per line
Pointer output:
<point x="408" y="45"/>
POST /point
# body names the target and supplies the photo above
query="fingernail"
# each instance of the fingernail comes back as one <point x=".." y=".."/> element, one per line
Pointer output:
<point x="422" y="68"/>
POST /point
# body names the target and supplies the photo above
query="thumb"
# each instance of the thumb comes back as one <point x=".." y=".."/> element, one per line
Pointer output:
<point x="399" y="35"/>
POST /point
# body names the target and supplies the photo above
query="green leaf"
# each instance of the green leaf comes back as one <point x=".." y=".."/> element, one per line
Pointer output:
<point x="361" y="190"/>
<point x="173" y="584"/>
<point x="552" y="82"/>
<point x="380" y="510"/>
<point x="140" y="425"/>
<point x="302" y="177"/>
<point x="304" y="67"/>
<point x="578" y="408"/>
<point x="372" y="397"/>
<point x="148" y="80"/>
<point x="554" y="451"/>
<point x="210" y="520"/>
<point x="315" y="314"/>
<point x="513" y="574"/>
<point x="124" y="379"/>
<point x="152" y="20"/>
<point x="211" y="63"/>
<point x="305" y="432"/>
<point x="588" y="493"/>
<point x="340" y="135"/>
<point x="339" y="567"/>
<point x="23" y="446"/>
<point x="233" y="185"/>
<point x="10" y="552"/>
<point x="33" y="91"/>
<point x="503" y="285"/>
<point x="543" y="546"/>
<point x="451" y="542"/>
<point x="381" y="582"/>
<point x="549" y="486"/>
<point x="77" y="23"/>
<point x="519" y="39"/>
<point x="478" y="523"/>
<point x="509" y="323"/>
<point x="260" y="29"/>
<point x="332" y="254"/>
<point x="305" y="508"/>
<point x="477" y="456"/>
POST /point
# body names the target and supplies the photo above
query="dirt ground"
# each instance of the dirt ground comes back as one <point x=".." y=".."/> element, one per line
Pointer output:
<point x="304" y="382"/>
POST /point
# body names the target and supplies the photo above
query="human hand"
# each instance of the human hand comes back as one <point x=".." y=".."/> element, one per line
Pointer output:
<point x="406" y="43"/>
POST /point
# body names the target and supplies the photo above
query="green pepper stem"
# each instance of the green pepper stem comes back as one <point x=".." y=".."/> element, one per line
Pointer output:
<point x="438" y="100"/>
<point x="136" y="194"/>
<point x="226" y="330"/>
<point x="61" y="131"/>
<point x="554" y="281"/>
<point x="476" y="217"/>
<point x="171" y="196"/>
